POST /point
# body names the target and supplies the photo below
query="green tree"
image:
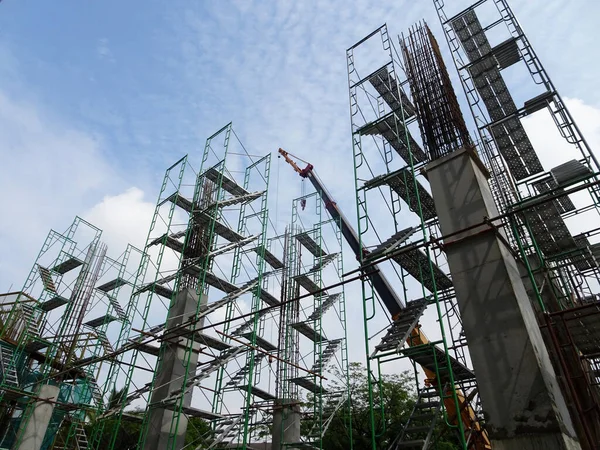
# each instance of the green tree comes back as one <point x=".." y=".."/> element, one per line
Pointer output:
<point x="198" y="432"/>
<point x="129" y="428"/>
<point x="116" y="397"/>
<point x="394" y="397"/>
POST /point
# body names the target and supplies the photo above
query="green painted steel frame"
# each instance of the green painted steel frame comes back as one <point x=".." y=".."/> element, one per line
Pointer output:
<point x="363" y="227"/>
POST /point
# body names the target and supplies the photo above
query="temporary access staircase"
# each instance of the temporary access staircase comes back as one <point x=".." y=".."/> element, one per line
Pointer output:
<point x="8" y="371"/>
<point x="420" y="426"/>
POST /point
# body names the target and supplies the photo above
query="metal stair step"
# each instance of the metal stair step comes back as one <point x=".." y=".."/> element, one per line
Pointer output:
<point x="309" y="243"/>
<point x="423" y="405"/>
<point x="418" y="443"/>
<point x="420" y="266"/>
<point x="8" y="372"/>
<point x="219" y="228"/>
<point x="227" y="184"/>
<point x="230" y="201"/>
<point x="420" y="417"/>
<point x="47" y="279"/>
<point x="67" y="265"/>
<point x="323" y="262"/>
<point x="102" y="320"/>
<point x="429" y="394"/>
<point x="53" y="303"/>
<point x="418" y="429"/>
<point x="387" y="86"/>
<point x="327" y="302"/>
<point x="403" y="182"/>
<point x="112" y="285"/>
<point x="401" y="329"/>
<point x="387" y="127"/>
<point x="392" y="242"/>
<point x="269" y="257"/>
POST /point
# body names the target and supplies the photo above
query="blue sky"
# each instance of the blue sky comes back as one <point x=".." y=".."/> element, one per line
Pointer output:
<point x="97" y="98"/>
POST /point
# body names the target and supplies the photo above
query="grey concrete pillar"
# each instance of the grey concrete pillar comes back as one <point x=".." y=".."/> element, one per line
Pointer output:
<point x="170" y="376"/>
<point x="286" y="424"/>
<point x="522" y="402"/>
<point x="33" y="430"/>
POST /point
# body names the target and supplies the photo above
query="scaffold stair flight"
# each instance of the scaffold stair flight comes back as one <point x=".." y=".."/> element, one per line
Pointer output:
<point x="8" y="375"/>
<point x="241" y="374"/>
<point x="401" y="329"/>
<point x="387" y="128"/>
<point x="403" y="182"/>
<point x="387" y="87"/>
<point x="332" y="402"/>
<point x="326" y="302"/>
<point x="224" y="431"/>
<point x="418" y="430"/>
<point x="326" y="355"/>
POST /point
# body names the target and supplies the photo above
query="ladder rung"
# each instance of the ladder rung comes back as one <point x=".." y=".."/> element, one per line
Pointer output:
<point x="411" y="444"/>
<point x="427" y="405"/>
<point x="429" y="394"/>
<point x="418" y="429"/>
<point x="419" y="417"/>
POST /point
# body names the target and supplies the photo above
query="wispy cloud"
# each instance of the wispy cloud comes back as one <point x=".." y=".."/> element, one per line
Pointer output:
<point x="78" y="133"/>
<point x="104" y="51"/>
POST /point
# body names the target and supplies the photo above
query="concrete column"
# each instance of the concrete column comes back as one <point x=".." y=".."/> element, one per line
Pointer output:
<point x="170" y="377"/>
<point x="33" y="430"/>
<point x="522" y="402"/>
<point x="286" y="424"/>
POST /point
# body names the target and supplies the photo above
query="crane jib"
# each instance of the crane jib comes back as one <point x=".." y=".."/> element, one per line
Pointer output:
<point x="379" y="281"/>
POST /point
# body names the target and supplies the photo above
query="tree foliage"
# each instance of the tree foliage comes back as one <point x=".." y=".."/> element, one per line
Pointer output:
<point x="394" y="398"/>
<point x="128" y="429"/>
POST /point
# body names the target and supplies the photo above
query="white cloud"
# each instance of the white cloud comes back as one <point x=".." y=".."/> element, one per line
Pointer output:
<point x="124" y="218"/>
<point x="50" y="173"/>
<point x="552" y="148"/>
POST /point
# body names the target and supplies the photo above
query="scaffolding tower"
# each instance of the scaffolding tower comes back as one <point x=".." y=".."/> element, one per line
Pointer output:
<point x="206" y="269"/>
<point x="390" y="185"/>
<point x="55" y="336"/>
<point x="313" y="373"/>
<point x="548" y="205"/>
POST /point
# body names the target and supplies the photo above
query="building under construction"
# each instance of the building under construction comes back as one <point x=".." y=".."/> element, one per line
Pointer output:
<point x="476" y="267"/>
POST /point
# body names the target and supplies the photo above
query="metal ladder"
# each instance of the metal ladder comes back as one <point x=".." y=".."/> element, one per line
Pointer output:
<point x="334" y="401"/>
<point x="31" y="322"/>
<point x="76" y="440"/>
<point x="81" y="442"/>
<point x="8" y="371"/>
<point x="418" y="430"/>
<point x="95" y="391"/>
<point x="224" y="432"/>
